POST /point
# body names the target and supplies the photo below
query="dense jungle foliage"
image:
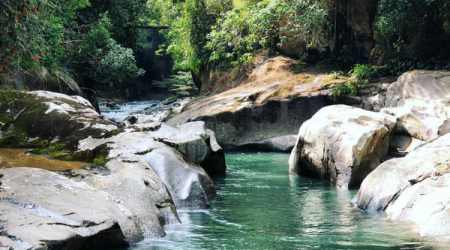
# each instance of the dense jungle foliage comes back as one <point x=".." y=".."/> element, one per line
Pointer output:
<point x="92" y="40"/>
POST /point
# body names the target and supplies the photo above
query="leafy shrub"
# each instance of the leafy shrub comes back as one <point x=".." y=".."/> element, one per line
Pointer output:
<point x="180" y="84"/>
<point x="365" y="71"/>
<point x="341" y="89"/>
<point x="250" y="28"/>
<point x="398" y="63"/>
<point x="336" y="74"/>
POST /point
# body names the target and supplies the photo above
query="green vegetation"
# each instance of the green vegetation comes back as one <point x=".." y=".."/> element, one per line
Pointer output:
<point x="87" y="38"/>
<point x="336" y="74"/>
<point x="365" y="71"/>
<point x="342" y="89"/>
<point x="181" y="84"/>
<point x="92" y="40"/>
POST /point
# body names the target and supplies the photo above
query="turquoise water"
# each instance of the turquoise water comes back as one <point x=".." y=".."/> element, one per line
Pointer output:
<point x="259" y="206"/>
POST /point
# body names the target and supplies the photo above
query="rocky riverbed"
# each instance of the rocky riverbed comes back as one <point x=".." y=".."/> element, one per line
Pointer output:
<point x="140" y="173"/>
<point x="141" y="169"/>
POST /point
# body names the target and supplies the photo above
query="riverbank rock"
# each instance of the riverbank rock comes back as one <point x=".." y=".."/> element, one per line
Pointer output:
<point x="44" y="210"/>
<point x="38" y="119"/>
<point x="148" y="165"/>
<point x="271" y="99"/>
<point x="214" y="161"/>
<point x="137" y="187"/>
<point x="342" y="144"/>
<point x="174" y="154"/>
<point x="188" y="183"/>
<point x="413" y="188"/>
<point x="283" y="144"/>
<point x="420" y="100"/>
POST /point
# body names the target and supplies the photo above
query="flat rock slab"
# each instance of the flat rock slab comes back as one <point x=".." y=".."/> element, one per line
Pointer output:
<point x="342" y="144"/>
<point x="42" y="209"/>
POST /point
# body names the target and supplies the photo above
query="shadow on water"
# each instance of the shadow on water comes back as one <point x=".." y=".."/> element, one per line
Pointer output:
<point x="259" y="206"/>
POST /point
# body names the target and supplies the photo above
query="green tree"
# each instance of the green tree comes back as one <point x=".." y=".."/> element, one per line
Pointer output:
<point x="250" y="28"/>
<point x="406" y="17"/>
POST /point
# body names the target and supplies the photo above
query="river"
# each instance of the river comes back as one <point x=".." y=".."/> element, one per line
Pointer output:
<point x="259" y="206"/>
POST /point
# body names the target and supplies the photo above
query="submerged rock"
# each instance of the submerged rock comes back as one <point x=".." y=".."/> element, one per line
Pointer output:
<point x="420" y="100"/>
<point x="342" y="144"/>
<point x="413" y="188"/>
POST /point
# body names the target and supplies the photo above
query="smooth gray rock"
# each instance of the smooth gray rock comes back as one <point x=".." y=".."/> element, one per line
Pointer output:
<point x="214" y="161"/>
<point x="342" y="144"/>
<point x="392" y="177"/>
<point x="413" y="188"/>
<point x="188" y="183"/>
<point x="420" y="100"/>
<point x="49" y="117"/>
<point x="191" y="145"/>
<point x="132" y="181"/>
<point x="276" y="144"/>
<point x="40" y="209"/>
<point x="184" y="153"/>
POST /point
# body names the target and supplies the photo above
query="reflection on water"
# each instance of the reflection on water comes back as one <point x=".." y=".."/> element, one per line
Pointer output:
<point x="10" y="158"/>
<point x="259" y="206"/>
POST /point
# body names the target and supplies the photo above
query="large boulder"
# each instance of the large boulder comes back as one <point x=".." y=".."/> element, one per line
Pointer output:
<point x="413" y="188"/>
<point x="342" y="144"/>
<point x="214" y="161"/>
<point x="188" y="183"/>
<point x="138" y="188"/>
<point x="174" y="154"/>
<point x="40" y="209"/>
<point x="420" y="100"/>
<point x="38" y="119"/>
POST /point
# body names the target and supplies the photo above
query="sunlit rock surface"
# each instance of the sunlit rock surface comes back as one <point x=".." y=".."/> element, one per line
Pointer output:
<point x="39" y="118"/>
<point x="40" y="209"/>
<point x="342" y="144"/>
<point x="413" y="188"/>
<point x="420" y="100"/>
<point x="139" y="189"/>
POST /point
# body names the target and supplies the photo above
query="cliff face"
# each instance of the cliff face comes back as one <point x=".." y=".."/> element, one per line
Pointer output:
<point x="273" y="101"/>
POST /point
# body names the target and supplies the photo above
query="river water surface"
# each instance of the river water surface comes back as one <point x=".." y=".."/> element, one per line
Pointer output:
<point x="259" y="206"/>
